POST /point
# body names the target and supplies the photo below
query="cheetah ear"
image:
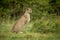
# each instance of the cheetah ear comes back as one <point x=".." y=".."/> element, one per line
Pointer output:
<point x="27" y="9"/>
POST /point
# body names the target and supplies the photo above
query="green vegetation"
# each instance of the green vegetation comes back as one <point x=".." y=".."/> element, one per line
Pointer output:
<point x="7" y="34"/>
<point x="44" y="24"/>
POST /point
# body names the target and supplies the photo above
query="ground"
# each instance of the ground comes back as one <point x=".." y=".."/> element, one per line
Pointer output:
<point x="7" y="34"/>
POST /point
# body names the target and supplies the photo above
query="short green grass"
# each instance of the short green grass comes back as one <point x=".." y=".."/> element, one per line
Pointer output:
<point x="7" y="34"/>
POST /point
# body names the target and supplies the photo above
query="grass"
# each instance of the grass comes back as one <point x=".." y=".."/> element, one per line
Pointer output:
<point x="28" y="36"/>
<point x="7" y="34"/>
